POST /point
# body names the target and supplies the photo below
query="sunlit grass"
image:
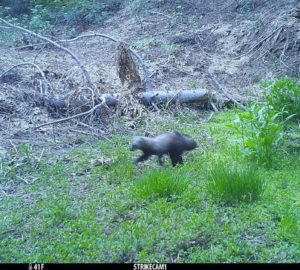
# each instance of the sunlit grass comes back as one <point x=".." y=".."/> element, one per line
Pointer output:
<point x="231" y="184"/>
<point x="161" y="183"/>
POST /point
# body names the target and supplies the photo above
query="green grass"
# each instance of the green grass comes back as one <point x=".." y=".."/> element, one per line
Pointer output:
<point x="90" y="204"/>
<point x="160" y="184"/>
<point x="231" y="184"/>
<point x="284" y="94"/>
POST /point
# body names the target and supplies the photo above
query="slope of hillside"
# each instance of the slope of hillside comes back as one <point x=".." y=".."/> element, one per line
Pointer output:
<point x="241" y="43"/>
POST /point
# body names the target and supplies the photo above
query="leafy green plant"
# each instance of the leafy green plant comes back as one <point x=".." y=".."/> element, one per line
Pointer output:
<point x="39" y="19"/>
<point x="262" y="129"/>
<point x="231" y="184"/>
<point x="161" y="183"/>
<point x="284" y="94"/>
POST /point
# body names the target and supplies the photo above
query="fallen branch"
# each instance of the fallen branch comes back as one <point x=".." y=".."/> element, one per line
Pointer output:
<point x="159" y="13"/>
<point x="71" y="117"/>
<point x="140" y="60"/>
<point x="39" y="159"/>
<point x="69" y="40"/>
<point x="155" y="107"/>
<point x="23" y="179"/>
<point x="210" y="117"/>
<point x="85" y="72"/>
<point x="222" y="89"/>
<point x="46" y="82"/>
<point x="213" y="106"/>
<point x="147" y="97"/>
<point x="14" y="146"/>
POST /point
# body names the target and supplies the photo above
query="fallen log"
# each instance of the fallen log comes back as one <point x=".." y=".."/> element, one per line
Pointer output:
<point x="58" y="106"/>
<point x="148" y="98"/>
<point x="186" y="96"/>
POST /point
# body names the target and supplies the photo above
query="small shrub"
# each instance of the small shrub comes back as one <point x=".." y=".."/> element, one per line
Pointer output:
<point x="39" y="20"/>
<point x="84" y="13"/>
<point x="262" y="129"/>
<point x="234" y="184"/>
<point x="284" y="94"/>
<point x="160" y="183"/>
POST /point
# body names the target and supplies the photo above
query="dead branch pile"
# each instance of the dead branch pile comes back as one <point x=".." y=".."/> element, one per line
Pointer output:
<point x="279" y="39"/>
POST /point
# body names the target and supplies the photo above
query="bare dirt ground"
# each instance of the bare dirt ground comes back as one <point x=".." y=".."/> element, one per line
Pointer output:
<point x="241" y="44"/>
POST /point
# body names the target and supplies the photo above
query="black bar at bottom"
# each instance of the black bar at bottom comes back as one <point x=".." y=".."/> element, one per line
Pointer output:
<point x="136" y="266"/>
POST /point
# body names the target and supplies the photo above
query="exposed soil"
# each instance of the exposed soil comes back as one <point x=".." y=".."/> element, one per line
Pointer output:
<point x="241" y="42"/>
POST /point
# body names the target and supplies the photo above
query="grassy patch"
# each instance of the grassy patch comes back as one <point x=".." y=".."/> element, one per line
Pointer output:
<point x="234" y="184"/>
<point x="90" y="204"/>
<point x="161" y="183"/>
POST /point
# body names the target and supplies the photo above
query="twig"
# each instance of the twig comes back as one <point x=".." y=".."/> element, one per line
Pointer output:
<point x="46" y="82"/>
<point x="39" y="159"/>
<point x="174" y="97"/>
<point x="85" y="125"/>
<point x="284" y="50"/>
<point x="93" y="94"/>
<point x="33" y="180"/>
<point x="14" y="146"/>
<point x="71" y="117"/>
<point x="155" y="106"/>
<point x="21" y="178"/>
<point x="159" y="13"/>
<point x="219" y="86"/>
<point x="69" y="40"/>
<point x="85" y="72"/>
<point x="213" y="106"/>
<point x="210" y="117"/>
<point x="153" y="73"/>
